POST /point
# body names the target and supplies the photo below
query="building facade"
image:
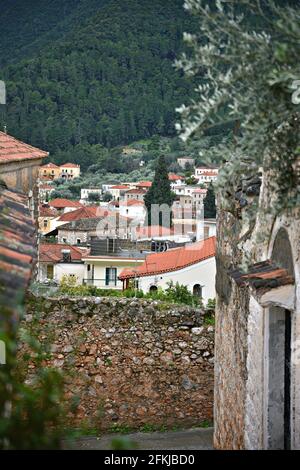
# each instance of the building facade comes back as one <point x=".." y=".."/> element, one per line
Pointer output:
<point x="19" y="168"/>
<point x="192" y="265"/>
<point x="59" y="260"/>
<point x="257" y="367"/>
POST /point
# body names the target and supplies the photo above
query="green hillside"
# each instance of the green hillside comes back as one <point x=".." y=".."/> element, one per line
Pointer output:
<point x="92" y="72"/>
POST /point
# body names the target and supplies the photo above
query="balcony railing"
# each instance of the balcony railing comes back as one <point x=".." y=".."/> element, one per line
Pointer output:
<point x="104" y="283"/>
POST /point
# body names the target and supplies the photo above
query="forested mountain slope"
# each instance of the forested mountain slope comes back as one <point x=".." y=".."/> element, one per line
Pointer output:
<point x="87" y="72"/>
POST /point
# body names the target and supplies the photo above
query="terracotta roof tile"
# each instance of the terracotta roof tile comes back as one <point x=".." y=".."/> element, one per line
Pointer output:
<point x="263" y="275"/>
<point x="119" y="186"/>
<point x="53" y="252"/>
<point x="62" y="203"/>
<point x="17" y="250"/>
<point x="49" y="165"/>
<point x="132" y="202"/>
<point x="174" y="177"/>
<point x="174" y="259"/>
<point x="69" y="165"/>
<point x="136" y="191"/>
<point x="12" y="149"/>
<point x="47" y="211"/>
<point x="85" y="212"/>
<point x="144" y="184"/>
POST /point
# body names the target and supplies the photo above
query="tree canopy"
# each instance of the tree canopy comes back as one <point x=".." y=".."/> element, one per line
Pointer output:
<point x="159" y="198"/>
<point x="247" y="57"/>
<point x="92" y="74"/>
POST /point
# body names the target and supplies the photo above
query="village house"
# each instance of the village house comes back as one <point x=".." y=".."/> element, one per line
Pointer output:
<point x="69" y="171"/>
<point x="49" y="171"/>
<point x="19" y="167"/>
<point x="64" y="205"/>
<point x="79" y="231"/>
<point x="137" y="194"/>
<point x="188" y="213"/>
<point x="84" y="212"/>
<point x="85" y="192"/>
<point x="58" y="260"/>
<point x="45" y="191"/>
<point x="194" y="191"/>
<point x="143" y="185"/>
<point x="206" y="175"/>
<point x="134" y="209"/>
<point x="184" y="216"/>
<point x="117" y="191"/>
<point x="176" y="180"/>
<point x="47" y="218"/>
<point x="192" y="265"/>
<point x="107" y="259"/>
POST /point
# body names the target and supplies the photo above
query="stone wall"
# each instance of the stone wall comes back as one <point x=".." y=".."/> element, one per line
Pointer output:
<point x="129" y="362"/>
<point x="247" y="230"/>
<point x="230" y="339"/>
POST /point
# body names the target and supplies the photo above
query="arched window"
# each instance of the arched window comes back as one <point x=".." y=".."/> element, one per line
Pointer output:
<point x="197" y="290"/>
<point x="153" y="289"/>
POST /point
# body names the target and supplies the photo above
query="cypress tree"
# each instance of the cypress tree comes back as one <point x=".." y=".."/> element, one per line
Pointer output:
<point x="210" y="204"/>
<point x="159" y="193"/>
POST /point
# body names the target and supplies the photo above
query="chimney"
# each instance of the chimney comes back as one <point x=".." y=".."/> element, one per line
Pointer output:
<point x="66" y="256"/>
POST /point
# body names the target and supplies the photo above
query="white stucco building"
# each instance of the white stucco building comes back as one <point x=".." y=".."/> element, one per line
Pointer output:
<point x="192" y="265"/>
<point x="206" y="175"/>
<point x="58" y="260"/>
<point x="85" y="192"/>
<point x="134" y="209"/>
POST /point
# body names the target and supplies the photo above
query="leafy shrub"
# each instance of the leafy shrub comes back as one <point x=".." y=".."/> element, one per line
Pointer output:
<point x="175" y="293"/>
<point x="69" y="285"/>
<point x="211" y="304"/>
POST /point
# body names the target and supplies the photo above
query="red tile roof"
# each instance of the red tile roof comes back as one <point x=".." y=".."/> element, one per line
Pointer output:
<point x="144" y="184"/>
<point x="209" y="173"/>
<point x="69" y="165"/>
<point x="12" y="150"/>
<point x="202" y="191"/>
<point x="17" y="251"/>
<point x="85" y="212"/>
<point x="263" y="275"/>
<point x="49" y="165"/>
<point x="62" y="203"/>
<point x="173" y="260"/>
<point x="174" y="177"/>
<point x="50" y="252"/>
<point x="132" y="202"/>
<point x="47" y="211"/>
<point x="136" y="191"/>
<point x="119" y="186"/>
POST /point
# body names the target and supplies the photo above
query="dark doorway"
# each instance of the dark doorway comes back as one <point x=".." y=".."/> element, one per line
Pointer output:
<point x="153" y="289"/>
<point x="279" y="386"/>
<point x="287" y="381"/>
